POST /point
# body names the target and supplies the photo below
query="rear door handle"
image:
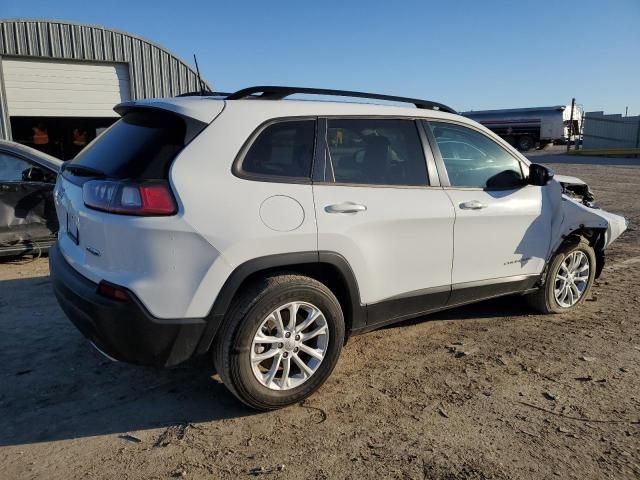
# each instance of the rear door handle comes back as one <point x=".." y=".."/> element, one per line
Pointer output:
<point x="345" y="207"/>
<point x="472" y="205"/>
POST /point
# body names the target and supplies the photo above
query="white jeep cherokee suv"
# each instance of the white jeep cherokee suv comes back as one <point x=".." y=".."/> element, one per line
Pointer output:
<point x="264" y="231"/>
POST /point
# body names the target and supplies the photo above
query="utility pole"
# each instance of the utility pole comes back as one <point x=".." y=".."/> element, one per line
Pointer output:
<point x="581" y="131"/>
<point x="626" y="111"/>
<point x="573" y="106"/>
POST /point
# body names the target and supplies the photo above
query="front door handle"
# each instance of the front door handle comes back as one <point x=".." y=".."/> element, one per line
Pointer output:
<point x="472" y="205"/>
<point x="345" y="207"/>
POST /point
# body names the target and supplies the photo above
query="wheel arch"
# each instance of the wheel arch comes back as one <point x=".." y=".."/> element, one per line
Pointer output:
<point x="576" y="221"/>
<point x="330" y="268"/>
<point x="595" y="236"/>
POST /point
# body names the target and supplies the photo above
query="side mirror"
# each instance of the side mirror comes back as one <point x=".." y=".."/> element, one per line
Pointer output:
<point x="539" y="175"/>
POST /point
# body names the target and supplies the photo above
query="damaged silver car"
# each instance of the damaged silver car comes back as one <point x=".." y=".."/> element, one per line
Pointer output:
<point x="28" y="221"/>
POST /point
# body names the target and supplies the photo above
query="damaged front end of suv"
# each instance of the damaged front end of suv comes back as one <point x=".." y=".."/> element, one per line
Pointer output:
<point x="577" y="215"/>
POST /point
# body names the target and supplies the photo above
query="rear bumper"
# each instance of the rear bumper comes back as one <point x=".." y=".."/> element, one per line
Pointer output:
<point x="124" y="330"/>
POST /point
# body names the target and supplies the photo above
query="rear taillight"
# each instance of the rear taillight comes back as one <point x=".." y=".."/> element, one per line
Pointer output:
<point x="129" y="198"/>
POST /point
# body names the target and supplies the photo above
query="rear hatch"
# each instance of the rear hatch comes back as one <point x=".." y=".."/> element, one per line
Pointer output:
<point x="114" y="201"/>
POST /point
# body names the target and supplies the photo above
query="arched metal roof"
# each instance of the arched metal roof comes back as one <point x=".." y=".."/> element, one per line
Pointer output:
<point x="153" y="71"/>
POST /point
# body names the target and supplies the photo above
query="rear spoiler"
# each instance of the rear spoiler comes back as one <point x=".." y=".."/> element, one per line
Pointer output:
<point x="201" y="109"/>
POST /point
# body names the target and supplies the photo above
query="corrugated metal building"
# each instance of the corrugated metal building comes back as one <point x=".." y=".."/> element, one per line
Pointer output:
<point x="611" y="131"/>
<point x="59" y="80"/>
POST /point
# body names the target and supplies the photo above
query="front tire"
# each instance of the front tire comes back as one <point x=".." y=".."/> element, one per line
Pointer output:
<point x="568" y="280"/>
<point x="280" y="341"/>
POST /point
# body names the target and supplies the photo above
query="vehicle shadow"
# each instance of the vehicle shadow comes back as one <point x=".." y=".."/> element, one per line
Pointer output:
<point x="507" y="306"/>
<point x="54" y="386"/>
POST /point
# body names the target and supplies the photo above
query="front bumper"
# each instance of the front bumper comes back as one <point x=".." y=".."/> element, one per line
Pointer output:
<point x="124" y="330"/>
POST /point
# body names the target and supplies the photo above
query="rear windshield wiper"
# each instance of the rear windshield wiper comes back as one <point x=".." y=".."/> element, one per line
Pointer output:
<point x="82" y="171"/>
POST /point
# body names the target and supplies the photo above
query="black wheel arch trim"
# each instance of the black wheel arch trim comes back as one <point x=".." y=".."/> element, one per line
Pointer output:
<point x="595" y="236"/>
<point x="282" y="261"/>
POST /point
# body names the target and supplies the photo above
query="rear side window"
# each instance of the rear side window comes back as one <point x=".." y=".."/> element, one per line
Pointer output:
<point x="376" y="152"/>
<point x="140" y="145"/>
<point x="283" y="149"/>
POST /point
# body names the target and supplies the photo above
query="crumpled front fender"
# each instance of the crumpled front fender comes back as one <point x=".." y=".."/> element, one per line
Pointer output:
<point x="571" y="215"/>
<point x="617" y="225"/>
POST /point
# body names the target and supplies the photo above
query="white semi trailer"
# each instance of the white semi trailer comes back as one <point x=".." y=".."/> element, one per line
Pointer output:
<point x="524" y="128"/>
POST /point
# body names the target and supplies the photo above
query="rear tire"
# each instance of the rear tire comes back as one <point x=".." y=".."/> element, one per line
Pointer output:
<point x="251" y="331"/>
<point x="558" y="295"/>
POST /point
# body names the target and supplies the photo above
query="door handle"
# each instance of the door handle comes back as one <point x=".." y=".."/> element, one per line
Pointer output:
<point x="472" y="205"/>
<point x="345" y="207"/>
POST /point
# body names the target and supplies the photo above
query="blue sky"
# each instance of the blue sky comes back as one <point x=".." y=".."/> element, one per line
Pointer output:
<point x="469" y="54"/>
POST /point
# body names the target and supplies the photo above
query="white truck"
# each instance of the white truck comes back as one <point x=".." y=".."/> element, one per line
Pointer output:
<point x="524" y="128"/>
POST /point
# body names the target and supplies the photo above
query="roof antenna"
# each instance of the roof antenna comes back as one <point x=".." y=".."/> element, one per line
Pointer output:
<point x="198" y="72"/>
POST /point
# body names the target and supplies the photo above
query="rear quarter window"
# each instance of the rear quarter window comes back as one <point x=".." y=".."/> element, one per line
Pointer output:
<point x="283" y="149"/>
<point x="140" y="145"/>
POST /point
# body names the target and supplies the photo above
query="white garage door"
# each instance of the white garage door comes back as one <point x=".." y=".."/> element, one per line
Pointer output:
<point x="51" y="88"/>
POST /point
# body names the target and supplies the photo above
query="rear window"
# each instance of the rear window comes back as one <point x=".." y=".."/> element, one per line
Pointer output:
<point x="140" y="145"/>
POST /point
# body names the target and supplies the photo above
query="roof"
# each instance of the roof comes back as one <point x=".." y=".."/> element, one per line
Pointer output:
<point x="154" y="71"/>
<point x="206" y="108"/>
<point x="207" y="105"/>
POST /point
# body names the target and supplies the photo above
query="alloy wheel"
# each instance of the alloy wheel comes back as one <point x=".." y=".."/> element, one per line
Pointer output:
<point x="289" y="345"/>
<point x="572" y="279"/>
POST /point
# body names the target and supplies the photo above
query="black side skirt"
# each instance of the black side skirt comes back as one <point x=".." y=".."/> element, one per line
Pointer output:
<point x="416" y="304"/>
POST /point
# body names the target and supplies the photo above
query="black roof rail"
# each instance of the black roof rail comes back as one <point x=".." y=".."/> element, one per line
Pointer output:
<point x="205" y="93"/>
<point x="278" y="93"/>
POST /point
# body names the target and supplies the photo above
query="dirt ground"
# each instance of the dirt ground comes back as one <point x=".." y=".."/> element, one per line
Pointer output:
<point x="486" y="391"/>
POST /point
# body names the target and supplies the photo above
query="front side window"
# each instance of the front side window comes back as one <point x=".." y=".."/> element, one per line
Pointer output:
<point x="376" y="152"/>
<point x="474" y="160"/>
<point x="13" y="169"/>
<point x="283" y="149"/>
